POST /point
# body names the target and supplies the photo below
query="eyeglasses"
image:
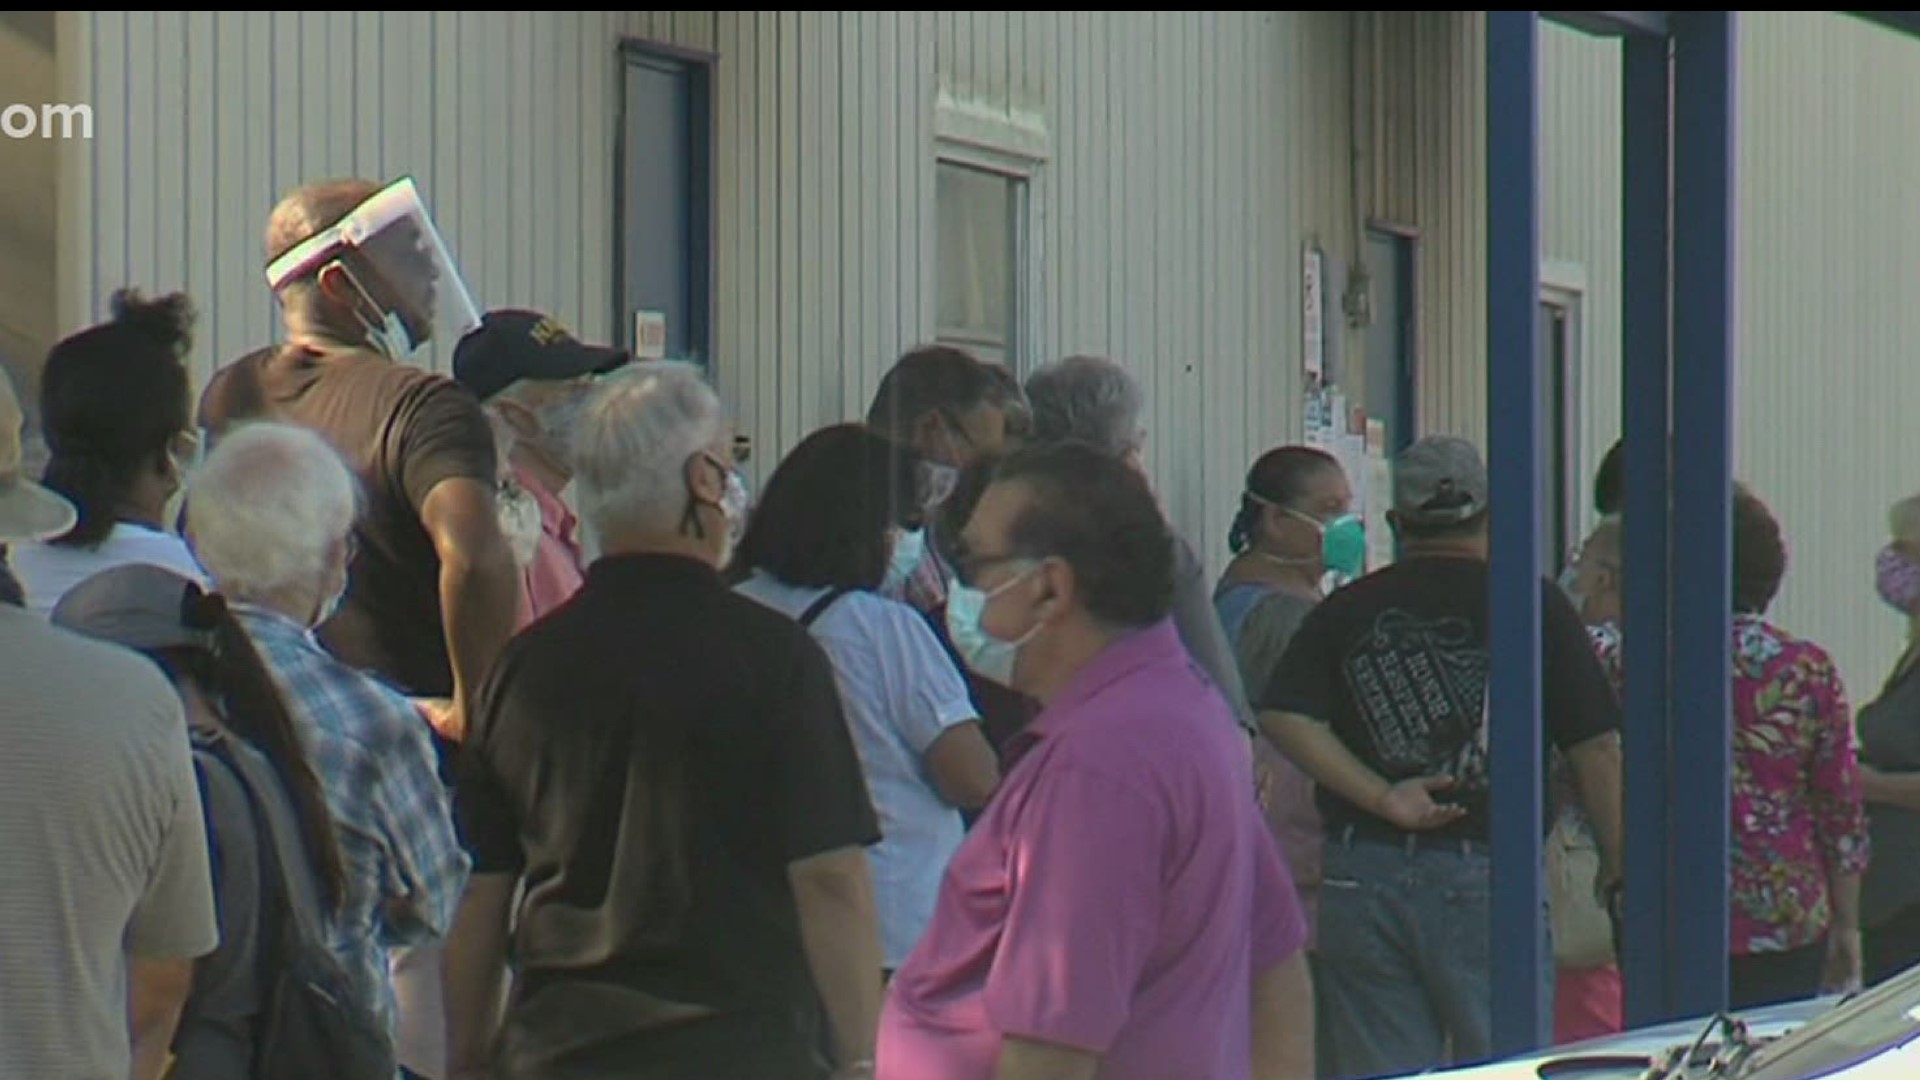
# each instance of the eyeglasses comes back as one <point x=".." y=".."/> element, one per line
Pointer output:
<point x="969" y="567"/>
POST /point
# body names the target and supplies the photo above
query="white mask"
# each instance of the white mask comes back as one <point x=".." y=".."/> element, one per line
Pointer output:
<point x="391" y="338"/>
<point x="520" y="521"/>
<point x="737" y="504"/>
<point x="329" y="608"/>
<point x="938" y="481"/>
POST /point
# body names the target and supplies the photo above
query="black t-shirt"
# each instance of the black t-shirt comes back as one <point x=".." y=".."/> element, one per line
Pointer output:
<point x="652" y="756"/>
<point x="1397" y="664"/>
<point x="403" y="431"/>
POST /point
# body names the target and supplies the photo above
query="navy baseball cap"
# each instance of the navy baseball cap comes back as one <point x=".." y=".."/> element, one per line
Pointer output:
<point x="511" y="345"/>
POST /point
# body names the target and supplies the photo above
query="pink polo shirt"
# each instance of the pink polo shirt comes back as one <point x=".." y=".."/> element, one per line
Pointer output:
<point x="556" y="572"/>
<point x="1118" y="895"/>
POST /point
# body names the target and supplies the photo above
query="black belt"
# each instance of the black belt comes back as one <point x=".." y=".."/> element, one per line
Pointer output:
<point x="1382" y="834"/>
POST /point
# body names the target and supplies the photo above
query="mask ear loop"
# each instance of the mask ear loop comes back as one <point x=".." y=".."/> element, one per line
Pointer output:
<point x="690" y="521"/>
<point x="389" y="333"/>
<point x="1281" y="560"/>
<point x="1008" y="584"/>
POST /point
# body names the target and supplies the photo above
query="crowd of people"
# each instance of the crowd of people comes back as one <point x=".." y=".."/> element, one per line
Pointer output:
<point x="370" y="722"/>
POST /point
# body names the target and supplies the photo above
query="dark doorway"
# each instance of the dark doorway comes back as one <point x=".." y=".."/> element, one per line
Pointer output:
<point x="664" y="276"/>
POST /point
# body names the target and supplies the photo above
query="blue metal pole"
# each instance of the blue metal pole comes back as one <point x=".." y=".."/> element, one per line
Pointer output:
<point x="1520" y="1014"/>
<point x="1703" y="342"/>
<point x="1646" y="405"/>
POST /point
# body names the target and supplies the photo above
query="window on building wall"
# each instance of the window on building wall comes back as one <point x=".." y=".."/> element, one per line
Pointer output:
<point x="1390" y="374"/>
<point x="979" y="273"/>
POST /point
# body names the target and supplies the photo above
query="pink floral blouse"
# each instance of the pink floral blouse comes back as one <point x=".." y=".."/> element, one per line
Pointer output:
<point x="1798" y="814"/>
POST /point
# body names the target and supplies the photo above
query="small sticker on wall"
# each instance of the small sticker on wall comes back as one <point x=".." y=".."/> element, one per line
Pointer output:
<point x="650" y="334"/>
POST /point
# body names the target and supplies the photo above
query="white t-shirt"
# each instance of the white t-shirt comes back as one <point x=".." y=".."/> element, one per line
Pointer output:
<point x="900" y="692"/>
<point x="47" y="571"/>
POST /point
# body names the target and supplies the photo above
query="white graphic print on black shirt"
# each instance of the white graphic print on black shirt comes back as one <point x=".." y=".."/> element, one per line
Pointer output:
<point x="1419" y="686"/>
<point x="1396" y="665"/>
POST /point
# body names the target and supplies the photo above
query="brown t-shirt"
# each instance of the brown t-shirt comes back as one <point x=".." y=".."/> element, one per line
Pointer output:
<point x="403" y="431"/>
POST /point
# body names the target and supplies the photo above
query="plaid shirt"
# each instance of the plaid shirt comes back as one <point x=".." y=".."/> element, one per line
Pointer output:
<point x="391" y="812"/>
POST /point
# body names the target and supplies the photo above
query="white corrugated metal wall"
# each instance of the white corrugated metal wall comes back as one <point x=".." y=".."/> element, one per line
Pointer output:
<point x="1828" y="231"/>
<point x="28" y="181"/>
<point x="204" y="119"/>
<point x="1430" y="78"/>
<point x="1580" y="214"/>
<point x="1188" y="156"/>
<point x="1194" y="153"/>
<point x="1828" y="385"/>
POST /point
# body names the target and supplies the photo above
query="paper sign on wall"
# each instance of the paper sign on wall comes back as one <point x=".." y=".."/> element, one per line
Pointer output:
<point x="650" y="335"/>
<point x="1312" y="332"/>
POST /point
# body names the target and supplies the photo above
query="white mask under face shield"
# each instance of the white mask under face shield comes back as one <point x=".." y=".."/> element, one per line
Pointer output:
<point x="409" y="291"/>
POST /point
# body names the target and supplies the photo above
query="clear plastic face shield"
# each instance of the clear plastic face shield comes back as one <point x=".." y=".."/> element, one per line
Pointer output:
<point x="405" y="289"/>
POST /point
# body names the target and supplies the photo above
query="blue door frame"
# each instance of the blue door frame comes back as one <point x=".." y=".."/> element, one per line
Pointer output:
<point x="1679" y="96"/>
<point x="1678" y="300"/>
<point x="663" y="190"/>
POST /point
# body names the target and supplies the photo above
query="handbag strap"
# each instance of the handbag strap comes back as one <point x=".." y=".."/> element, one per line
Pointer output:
<point x="819" y="607"/>
<point x="278" y="887"/>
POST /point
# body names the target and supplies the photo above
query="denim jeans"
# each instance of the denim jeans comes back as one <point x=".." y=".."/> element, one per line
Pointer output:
<point x="1403" y="981"/>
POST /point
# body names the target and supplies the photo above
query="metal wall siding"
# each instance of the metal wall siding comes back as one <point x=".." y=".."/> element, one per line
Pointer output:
<point x="1190" y="154"/>
<point x="1432" y="179"/>
<point x="1580" y="220"/>
<point x="1825" y="371"/>
<point x="1172" y="209"/>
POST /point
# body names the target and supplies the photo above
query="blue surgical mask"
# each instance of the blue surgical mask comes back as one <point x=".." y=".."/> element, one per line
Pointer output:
<point x="986" y="655"/>
<point x="390" y="335"/>
<point x="909" y="551"/>
<point x="391" y="338"/>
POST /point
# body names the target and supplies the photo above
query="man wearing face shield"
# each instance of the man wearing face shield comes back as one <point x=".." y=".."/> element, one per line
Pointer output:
<point x="363" y="281"/>
<point x="534" y="378"/>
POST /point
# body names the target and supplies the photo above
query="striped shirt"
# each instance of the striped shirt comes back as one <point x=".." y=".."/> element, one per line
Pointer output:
<point x="106" y="849"/>
<point x="390" y="809"/>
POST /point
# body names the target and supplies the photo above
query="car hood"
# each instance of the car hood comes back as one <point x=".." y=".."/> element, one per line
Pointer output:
<point x="1768" y="1023"/>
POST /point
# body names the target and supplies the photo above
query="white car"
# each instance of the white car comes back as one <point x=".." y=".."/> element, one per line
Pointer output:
<point x="1869" y="1036"/>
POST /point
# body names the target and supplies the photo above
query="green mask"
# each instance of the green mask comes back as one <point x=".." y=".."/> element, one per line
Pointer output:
<point x="1343" y="543"/>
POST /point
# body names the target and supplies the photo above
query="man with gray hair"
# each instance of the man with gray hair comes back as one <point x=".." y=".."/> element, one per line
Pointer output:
<point x="271" y="520"/>
<point x="1093" y="400"/>
<point x="665" y="762"/>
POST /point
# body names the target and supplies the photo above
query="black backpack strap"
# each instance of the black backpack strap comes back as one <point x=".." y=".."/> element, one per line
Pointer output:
<point x="819" y="607"/>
